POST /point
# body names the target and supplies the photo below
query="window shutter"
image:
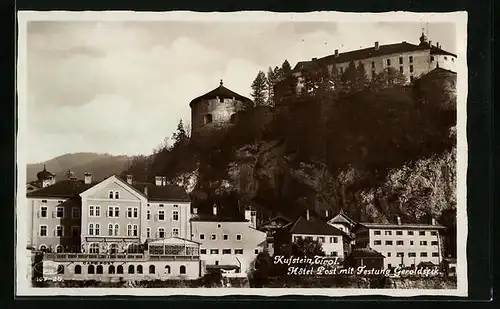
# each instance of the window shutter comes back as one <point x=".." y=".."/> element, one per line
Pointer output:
<point x="55" y="232"/>
<point x="156" y="234"/>
<point x="38" y="214"/>
<point x="53" y="214"/>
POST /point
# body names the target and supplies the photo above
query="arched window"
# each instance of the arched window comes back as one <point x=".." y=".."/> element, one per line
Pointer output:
<point x="167" y="269"/>
<point x="182" y="269"/>
<point x="151" y="269"/>
<point x="148" y="233"/>
<point x="207" y="119"/>
<point x="136" y="230"/>
<point x="111" y="194"/>
<point x="117" y="228"/>
<point x="117" y="195"/>
<point x="110" y="229"/>
<point x="99" y="269"/>
<point x="94" y="248"/>
<point x="129" y="229"/>
<point x="60" y="269"/>
<point x="113" y="249"/>
<point x="133" y="248"/>
<point x="139" y="269"/>
<point x="111" y="269"/>
<point x="59" y="249"/>
<point x="91" y="269"/>
<point x="119" y="269"/>
<point x="43" y="248"/>
<point x="78" y="269"/>
<point x="131" y="269"/>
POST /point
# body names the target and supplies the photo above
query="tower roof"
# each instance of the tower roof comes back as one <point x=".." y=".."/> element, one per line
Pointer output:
<point x="222" y="93"/>
<point x="44" y="174"/>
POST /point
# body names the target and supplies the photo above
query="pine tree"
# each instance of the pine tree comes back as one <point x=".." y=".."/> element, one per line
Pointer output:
<point x="349" y="77"/>
<point x="271" y="82"/>
<point x="286" y="69"/>
<point x="259" y="87"/>
<point x="361" y="78"/>
<point x="180" y="137"/>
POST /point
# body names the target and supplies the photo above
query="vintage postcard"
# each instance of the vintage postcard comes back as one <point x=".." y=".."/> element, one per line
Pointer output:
<point x="244" y="153"/>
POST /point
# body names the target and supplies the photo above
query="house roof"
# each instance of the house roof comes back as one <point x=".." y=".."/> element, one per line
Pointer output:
<point x="64" y="188"/>
<point x="44" y="174"/>
<point x="341" y="217"/>
<point x="221" y="92"/>
<point x="163" y="193"/>
<point x="365" y="253"/>
<point x="314" y="226"/>
<point x="400" y="226"/>
<point x="359" y="54"/>
<point x="217" y="218"/>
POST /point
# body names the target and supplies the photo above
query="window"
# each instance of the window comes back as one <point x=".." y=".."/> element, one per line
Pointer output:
<point x="117" y="212"/>
<point x="388" y="242"/>
<point x="225" y="237"/>
<point x="110" y="211"/>
<point x="131" y="269"/>
<point x="139" y="269"/>
<point x="111" y="269"/>
<point x="99" y="269"/>
<point x="91" y="269"/>
<point x="78" y="269"/>
<point x="75" y="230"/>
<point x="435" y="254"/>
<point x="412" y="254"/>
<point x="148" y="215"/>
<point x="321" y="240"/>
<point x="238" y="251"/>
<point x="400" y="254"/>
<point x="117" y="195"/>
<point x="129" y="229"/>
<point x="161" y="214"/>
<point x="333" y="253"/>
<point x="411" y="242"/>
<point x="175" y="215"/>
<point x="388" y="232"/>
<point x="94" y="248"/>
<point x="296" y="238"/>
<point x="445" y="58"/>
<point x="129" y="212"/>
<point x="148" y="232"/>
<point x="202" y="236"/>
<point x="167" y="269"/>
<point x="43" y="212"/>
<point x="207" y="119"/>
<point x="411" y="68"/>
<point x="110" y="195"/>
<point x="377" y="242"/>
<point x="373" y="64"/>
<point x="43" y="230"/>
<point x="161" y="232"/>
<point x="410" y="232"/>
<point x="175" y="232"/>
<point x="434" y="233"/>
<point x="388" y="62"/>
<point x="376" y="233"/>
<point x="117" y="228"/>
<point x="423" y="243"/>
<point x="59" y="249"/>
<point x="161" y="205"/>
<point x="389" y="266"/>
<point x="410" y="59"/>
<point x="97" y="229"/>
<point x="423" y="254"/>
<point x="399" y="242"/>
<point x="421" y="233"/>
<point x="110" y="229"/>
<point x="182" y="269"/>
<point x="434" y="243"/>
<point x="219" y="225"/>
<point x="151" y="269"/>
<point x="59" y="212"/>
<point x="91" y="228"/>
<point x="226" y="251"/>
<point x="238" y="237"/>
<point x="203" y="251"/>
<point x="75" y="213"/>
<point x="113" y="249"/>
<point x="213" y="237"/>
<point x="400" y="60"/>
<point x="399" y="232"/>
<point x="119" y="269"/>
<point x="59" y="231"/>
<point x="389" y="254"/>
<point x="136" y="230"/>
<point x="214" y="251"/>
<point x="432" y="58"/>
<point x="256" y="251"/>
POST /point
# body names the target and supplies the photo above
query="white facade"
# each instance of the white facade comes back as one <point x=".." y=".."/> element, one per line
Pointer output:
<point x="332" y="245"/>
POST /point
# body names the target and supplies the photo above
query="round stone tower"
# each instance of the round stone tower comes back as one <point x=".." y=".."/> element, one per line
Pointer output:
<point x="216" y="109"/>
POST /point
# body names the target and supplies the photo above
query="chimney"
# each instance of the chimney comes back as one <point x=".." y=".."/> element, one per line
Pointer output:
<point x="88" y="178"/>
<point x="433" y="221"/>
<point x="195" y="210"/>
<point x="215" y="210"/>
<point x="399" y="220"/>
<point x="146" y="190"/>
<point x="430" y="43"/>
<point x="336" y="53"/>
<point x="164" y="181"/>
<point x="158" y="180"/>
<point x="314" y="59"/>
<point x="307" y="214"/>
<point x="129" y="179"/>
<point x="376" y="46"/>
<point x="437" y="44"/>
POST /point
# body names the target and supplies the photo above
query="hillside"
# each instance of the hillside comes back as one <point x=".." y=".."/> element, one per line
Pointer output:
<point x="100" y="165"/>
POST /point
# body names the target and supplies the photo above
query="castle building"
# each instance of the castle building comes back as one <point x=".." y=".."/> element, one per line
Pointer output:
<point x="216" y="109"/>
<point x="402" y="245"/>
<point x="227" y="243"/>
<point x="45" y="178"/>
<point x="412" y="60"/>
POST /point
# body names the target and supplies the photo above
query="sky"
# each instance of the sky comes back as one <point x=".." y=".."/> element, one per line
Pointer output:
<point x="122" y="87"/>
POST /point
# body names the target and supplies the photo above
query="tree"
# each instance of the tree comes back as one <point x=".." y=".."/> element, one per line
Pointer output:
<point x="286" y="69"/>
<point x="361" y="79"/>
<point x="259" y="87"/>
<point x="307" y="247"/>
<point x="263" y="268"/>
<point x="180" y="137"/>
<point x="272" y="78"/>
<point x="350" y="76"/>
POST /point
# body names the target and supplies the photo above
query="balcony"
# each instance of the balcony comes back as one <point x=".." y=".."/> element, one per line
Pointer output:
<point x="115" y="257"/>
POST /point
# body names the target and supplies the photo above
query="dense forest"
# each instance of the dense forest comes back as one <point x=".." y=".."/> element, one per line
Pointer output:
<point x="377" y="148"/>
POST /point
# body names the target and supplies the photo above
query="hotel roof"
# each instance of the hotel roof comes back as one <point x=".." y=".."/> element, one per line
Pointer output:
<point x="314" y="226"/>
<point x="400" y="226"/>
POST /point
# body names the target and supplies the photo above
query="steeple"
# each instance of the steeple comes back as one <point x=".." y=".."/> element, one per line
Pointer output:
<point x="423" y="39"/>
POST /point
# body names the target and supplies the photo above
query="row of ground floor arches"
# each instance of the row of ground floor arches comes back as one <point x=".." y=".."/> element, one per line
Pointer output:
<point x="136" y="271"/>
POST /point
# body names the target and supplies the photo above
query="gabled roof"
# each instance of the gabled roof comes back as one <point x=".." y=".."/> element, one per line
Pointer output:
<point x="172" y="193"/>
<point x="438" y="51"/>
<point x="64" y="188"/>
<point x="400" y="226"/>
<point x="222" y="92"/>
<point x="314" y="226"/>
<point x="365" y="253"/>
<point x="273" y="222"/>
<point x="341" y="217"/>
<point x="218" y="218"/>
